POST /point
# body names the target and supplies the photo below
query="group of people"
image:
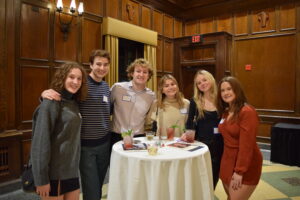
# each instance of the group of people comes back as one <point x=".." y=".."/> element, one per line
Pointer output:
<point x="72" y="132"/>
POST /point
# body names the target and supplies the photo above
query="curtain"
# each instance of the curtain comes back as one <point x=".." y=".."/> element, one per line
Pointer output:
<point x="112" y="46"/>
<point x="150" y="55"/>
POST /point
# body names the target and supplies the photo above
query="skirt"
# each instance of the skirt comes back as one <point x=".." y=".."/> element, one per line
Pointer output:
<point x="60" y="187"/>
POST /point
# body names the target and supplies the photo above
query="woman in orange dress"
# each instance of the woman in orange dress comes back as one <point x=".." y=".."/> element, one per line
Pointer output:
<point x="242" y="160"/>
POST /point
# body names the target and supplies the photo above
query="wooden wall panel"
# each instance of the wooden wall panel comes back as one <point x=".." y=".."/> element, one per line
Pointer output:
<point x="66" y="50"/>
<point x="177" y="28"/>
<point x="271" y="84"/>
<point x="91" y="38"/>
<point x="241" y="23"/>
<point x="264" y="129"/>
<point x="130" y="12"/>
<point x="159" y="55"/>
<point x="287" y="17"/>
<point x="3" y="75"/>
<point x="34" y="32"/>
<point x="168" y="26"/>
<point x="146" y="17"/>
<point x="263" y="20"/>
<point x="207" y="25"/>
<point x="191" y="28"/>
<point x="224" y="23"/>
<point x="112" y="8"/>
<point x="158" y="22"/>
<point x="30" y="90"/>
<point x="93" y="6"/>
<point x="168" y="56"/>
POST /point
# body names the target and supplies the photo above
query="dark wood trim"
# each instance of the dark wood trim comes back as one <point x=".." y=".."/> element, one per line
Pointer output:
<point x="298" y="59"/>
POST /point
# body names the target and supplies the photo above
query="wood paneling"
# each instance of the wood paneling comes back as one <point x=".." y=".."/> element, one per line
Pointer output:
<point x="130" y="12"/>
<point x="30" y="90"/>
<point x="168" y="26"/>
<point x="177" y="28"/>
<point x="287" y="17"/>
<point x="191" y="28"/>
<point x="224" y="23"/>
<point x="263" y="20"/>
<point x="241" y="23"/>
<point x="264" y="129"/>
<point x="271" y="83"/>
<point x="168" y="56"/>
<point x="66" y="50"/>
<point x="112" y="8"/>
<point x="93" y="6"/>
<point x="3" y="82"/>
<point x="146" y="17"/>
<point x="207" y="25"/>
<point x="158" y="22"/>
<point x="91" y="38"/>
<point x="34" y="32"/>
<point x="159" y="55"/>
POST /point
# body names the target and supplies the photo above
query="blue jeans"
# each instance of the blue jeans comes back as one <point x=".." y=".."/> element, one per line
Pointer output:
<point x="94" y="162"/>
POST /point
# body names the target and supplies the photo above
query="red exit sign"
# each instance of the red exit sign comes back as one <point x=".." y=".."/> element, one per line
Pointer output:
<point x="196" y="38"/>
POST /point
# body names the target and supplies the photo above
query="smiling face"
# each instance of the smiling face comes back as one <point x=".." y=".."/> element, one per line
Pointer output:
<point x="203" y="83"/>
<point x="73" y="80"/>
<point x="227" y="93"/>
<point x="100" y="68"/>
<point x="169" y="88"/>
<point x="140" y="75"/>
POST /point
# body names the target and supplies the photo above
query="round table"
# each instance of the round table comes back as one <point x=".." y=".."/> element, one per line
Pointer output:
<point x="174" y="173"/>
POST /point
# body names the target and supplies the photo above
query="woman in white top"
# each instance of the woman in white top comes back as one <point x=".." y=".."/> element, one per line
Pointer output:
<point x="170" y="109"/>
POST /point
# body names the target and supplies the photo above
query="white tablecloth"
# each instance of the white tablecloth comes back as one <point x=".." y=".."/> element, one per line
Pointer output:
<point x="173" y="174"/>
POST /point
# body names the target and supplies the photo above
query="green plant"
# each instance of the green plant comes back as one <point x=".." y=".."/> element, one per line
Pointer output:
<point x="127" y="133"/>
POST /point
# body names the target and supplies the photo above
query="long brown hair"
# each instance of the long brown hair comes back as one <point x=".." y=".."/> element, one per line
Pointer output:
<point x="240" y="97"/>
<point x="199" y="96"/>
<point x="161" y="96"/>
<point x="60" y="76"/>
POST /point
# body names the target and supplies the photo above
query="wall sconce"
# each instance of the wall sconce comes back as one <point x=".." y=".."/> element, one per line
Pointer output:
<point x="65" y="25"/>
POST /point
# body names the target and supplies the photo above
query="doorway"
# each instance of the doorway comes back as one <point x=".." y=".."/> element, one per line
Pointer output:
<point x="128" y="51"/>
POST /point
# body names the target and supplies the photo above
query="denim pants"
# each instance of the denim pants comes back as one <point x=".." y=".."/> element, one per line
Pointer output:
<point x="94" y="162"/>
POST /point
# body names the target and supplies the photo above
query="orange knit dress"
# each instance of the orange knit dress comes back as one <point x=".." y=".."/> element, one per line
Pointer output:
<point x="241" y="153"/>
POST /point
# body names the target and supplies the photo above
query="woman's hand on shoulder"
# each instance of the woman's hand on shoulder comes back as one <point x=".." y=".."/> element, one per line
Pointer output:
<point x="43" y="190"/>
<point x="51" y="95"/>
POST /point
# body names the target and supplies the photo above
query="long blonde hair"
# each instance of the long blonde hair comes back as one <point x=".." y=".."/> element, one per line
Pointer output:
<point x="161" y="96"/>
<point x="199" y="96"/>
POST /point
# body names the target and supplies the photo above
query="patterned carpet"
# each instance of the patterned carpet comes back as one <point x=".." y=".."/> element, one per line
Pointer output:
<point x="278" y="182"/>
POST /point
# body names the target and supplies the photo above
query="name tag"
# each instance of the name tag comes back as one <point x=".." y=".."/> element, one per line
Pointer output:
<point x="222" y="121"/>
<point x="105" y="99"/>
<point x="216" y="131"/>
<point x="183" y="111"/>
<point x="126" y="98"/>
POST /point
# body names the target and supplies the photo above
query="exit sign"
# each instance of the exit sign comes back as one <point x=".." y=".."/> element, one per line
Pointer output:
<point x="196" y="38"/>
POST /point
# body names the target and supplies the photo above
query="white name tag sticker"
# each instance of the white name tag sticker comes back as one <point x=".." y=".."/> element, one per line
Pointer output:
<point x="105" y="99"/>
<point x="183" y="111"/>
<point x="216" y="131"/>
<point x="222" y="121"/>
<point x="126" y="98"/>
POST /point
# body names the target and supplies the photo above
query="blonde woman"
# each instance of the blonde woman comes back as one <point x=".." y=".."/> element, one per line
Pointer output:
<point x="170" y="108"/>
<point x="203" y="117"/>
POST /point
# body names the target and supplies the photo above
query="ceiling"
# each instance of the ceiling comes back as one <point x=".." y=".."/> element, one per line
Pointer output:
<point x="196" y="9"/>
